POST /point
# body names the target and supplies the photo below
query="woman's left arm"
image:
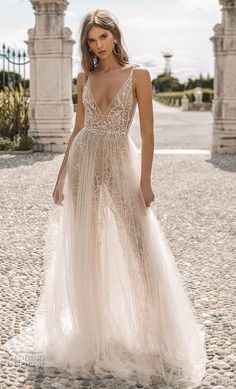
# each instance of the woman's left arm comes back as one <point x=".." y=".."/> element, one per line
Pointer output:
<point x="143" y="88"/>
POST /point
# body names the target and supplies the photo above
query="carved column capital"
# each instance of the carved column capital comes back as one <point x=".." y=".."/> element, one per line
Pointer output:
<point x="49" y="5"/>
<point x="228" y="3"/>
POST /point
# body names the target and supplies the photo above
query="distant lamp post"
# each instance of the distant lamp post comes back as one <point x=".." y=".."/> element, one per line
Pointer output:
<point x="167" y="56"/>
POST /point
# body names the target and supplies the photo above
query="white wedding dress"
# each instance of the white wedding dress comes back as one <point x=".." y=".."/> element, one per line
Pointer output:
<point x="112" y="296"/>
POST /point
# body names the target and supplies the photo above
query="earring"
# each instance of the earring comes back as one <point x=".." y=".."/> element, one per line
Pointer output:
<point x="113" y="48"/>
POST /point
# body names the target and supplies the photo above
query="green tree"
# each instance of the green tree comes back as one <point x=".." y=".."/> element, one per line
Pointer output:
<point x="166" y="83"/>
<point x="200" y="81"/>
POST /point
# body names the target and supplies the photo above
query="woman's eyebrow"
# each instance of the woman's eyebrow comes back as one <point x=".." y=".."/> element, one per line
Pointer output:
<point x="98" y="37"/>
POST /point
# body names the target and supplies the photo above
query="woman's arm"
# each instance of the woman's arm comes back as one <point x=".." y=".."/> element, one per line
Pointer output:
<point x="143" y="88"/>
<point x="79" y="124"/>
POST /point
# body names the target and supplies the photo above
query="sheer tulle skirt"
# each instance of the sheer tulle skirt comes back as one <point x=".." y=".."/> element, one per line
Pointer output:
<point x="112" y="296"/>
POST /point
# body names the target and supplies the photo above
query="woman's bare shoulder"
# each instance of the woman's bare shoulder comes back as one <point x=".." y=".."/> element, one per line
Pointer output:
<point x="81" y="78"/>
<point x="140" y="69"/>
<point x="141" y="74"/>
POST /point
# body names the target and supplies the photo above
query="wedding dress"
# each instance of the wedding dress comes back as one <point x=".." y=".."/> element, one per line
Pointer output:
<point x="112" y="296"/>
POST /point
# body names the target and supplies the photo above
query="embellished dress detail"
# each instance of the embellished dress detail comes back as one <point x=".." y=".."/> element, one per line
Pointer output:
<point x="112" y="297"/>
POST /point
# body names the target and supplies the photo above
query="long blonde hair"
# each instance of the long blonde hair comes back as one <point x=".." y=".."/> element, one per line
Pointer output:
<point x="103" y="19"/>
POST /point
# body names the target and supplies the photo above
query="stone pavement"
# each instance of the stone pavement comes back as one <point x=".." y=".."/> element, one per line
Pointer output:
<point x="195" y="202"/>
<point x="174" y="129"/>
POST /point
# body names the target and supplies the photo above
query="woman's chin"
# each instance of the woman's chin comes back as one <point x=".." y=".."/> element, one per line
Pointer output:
<point x="103" y="55"/>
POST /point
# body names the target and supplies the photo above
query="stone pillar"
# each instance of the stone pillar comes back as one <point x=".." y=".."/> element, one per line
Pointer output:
<point x="224" y="104"/>
<point x="50" y="51"/>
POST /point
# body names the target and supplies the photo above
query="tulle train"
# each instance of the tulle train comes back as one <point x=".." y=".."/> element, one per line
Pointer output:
<point x="112" y="296"/>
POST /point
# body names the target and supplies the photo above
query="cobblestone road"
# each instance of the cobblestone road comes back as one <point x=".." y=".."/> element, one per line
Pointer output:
<point x="195" y="202"/>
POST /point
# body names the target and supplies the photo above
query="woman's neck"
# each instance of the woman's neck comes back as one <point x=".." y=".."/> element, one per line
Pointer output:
<point x="108" y="65"/>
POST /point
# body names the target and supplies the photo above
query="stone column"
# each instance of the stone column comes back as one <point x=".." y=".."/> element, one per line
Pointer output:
<point x="224" y="105"/>
<point x="50" y="51"/>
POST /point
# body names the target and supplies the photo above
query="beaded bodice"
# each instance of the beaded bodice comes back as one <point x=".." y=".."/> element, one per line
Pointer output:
<point x="118" y="116"/>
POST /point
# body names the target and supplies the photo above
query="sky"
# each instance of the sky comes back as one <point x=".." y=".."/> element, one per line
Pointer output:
<point x="149" y="28"/>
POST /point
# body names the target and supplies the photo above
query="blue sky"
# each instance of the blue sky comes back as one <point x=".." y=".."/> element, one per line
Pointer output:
<point x="149" y="28"/>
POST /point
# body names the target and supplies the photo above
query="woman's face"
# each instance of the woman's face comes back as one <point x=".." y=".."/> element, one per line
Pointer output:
<point x="100" y="41"/>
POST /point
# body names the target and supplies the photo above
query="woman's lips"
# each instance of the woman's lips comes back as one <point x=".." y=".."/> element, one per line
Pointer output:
<point x="102" y="52"/>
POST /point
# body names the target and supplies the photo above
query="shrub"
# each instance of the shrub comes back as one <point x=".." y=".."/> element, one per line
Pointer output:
<point x="5" y="144"/>
<point x="13" y="113"/>
<point x="23" y="142"/>
<point x="166" y="97"/>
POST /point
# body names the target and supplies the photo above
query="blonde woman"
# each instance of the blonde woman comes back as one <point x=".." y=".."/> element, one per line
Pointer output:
<point x="112" y="297"/>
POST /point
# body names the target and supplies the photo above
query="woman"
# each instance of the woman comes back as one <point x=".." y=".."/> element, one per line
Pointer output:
<point x="113" y="299"/>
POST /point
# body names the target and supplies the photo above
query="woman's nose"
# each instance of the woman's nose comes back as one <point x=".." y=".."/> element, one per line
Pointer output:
<point x="99" y="45"/>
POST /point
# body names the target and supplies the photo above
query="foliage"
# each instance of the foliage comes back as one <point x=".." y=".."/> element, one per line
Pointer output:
<point x="74" y="90"/>
<point x="23" y="142"/>
<point x="18" y="143"/>
<point x="167" y="83"/>
<point x="5" y="144"/>
<point x="13" y="113"/>
<point x="170" y="98"/>
<point x="11" y="78"/>
<point x="201" y="81"/>
<point x="74" y="98"/>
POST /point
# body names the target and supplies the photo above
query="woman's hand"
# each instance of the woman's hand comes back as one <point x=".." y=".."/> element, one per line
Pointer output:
<point x="147" y="192"/>
<point x="58" y="195"/>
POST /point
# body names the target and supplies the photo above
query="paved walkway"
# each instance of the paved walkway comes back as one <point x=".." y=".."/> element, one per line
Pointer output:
<point x="195" y="202"/>
<point x="175" y="129"/>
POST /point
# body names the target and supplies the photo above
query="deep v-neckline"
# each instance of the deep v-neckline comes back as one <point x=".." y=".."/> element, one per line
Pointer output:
<point x="115" y="96"/>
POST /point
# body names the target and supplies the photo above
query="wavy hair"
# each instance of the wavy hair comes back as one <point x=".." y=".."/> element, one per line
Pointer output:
<point x="103" y="19"/>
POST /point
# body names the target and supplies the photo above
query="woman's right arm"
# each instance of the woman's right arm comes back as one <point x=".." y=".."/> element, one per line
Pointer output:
<point x="79" y="124"/>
